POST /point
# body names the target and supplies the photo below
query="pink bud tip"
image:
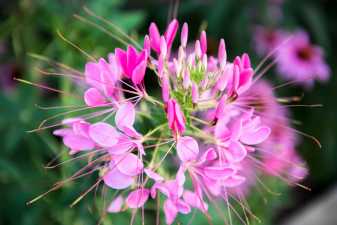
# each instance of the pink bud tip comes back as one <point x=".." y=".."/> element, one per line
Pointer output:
<point x="222" y="55"/>
<point x="147" y="44"/>
<point x="195" y="93"/>
<point x="197" y="49"/>
<point x="184" y="35"/>
<point x="163" y="46"/>
<point x="203" y="42"/>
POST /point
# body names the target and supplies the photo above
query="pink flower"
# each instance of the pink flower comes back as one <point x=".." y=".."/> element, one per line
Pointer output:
<point x="302" y="62"/>
<point x="175" y="116"/>
<point x="267" y="39"/>
<point x="76" y="137"/>
<point x="235" y="139"/>
<point x="223" y="128"/>
<point x="122" y="171"/>
<point x="137" y="198"/>
<point x="133" y="64"/>
<point x="102" y="77"/>
<point x="173" y="190"/>
<point x="116" y="205"/>
<point x="169" y="36"/>
<point x="122" y="140"/>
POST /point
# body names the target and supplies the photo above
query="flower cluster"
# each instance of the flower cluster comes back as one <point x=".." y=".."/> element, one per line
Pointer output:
<point x="213" y="131"/>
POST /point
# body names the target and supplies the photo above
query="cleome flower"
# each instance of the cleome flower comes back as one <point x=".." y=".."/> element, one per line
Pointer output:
<point x="208" y="138"/>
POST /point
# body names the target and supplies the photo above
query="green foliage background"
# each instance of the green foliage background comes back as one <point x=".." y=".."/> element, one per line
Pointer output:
<point x="30" y="26"/>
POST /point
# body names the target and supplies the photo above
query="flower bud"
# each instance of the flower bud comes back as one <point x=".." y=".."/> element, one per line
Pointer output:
<point x="184" y="35"/>
<point x="203" y="42"/>
<point x="222" y="55"/>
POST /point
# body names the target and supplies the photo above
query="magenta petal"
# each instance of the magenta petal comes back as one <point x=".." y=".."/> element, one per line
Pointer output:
<point x="138" y="73"/>
<point x="218" y="172"/>
<point x="131" y="56"/>
<point x="170" y="211"/>
<point x="187" y="148"/>
<point x="78" y="143"/>
<point x="129" y="164"/>
<point x="125" y="115"/>
<point x="122" y="60"/>
<point x="93" y="97"/>
<point x="255" y="137"/>
<point x="116" y="205"/>
<point x="103" y="134"/>
<point x="171" y="31"/>
<point x="246" y="61"/>
<point x="154" y="37"/>
<point x="117" y="180"/>
<point x="137" y="198"/>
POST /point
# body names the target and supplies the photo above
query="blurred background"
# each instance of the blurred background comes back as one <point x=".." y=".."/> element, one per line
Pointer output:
<point x="28" y="30"/>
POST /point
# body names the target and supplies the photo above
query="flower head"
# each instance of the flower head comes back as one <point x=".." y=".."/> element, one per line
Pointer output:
<point x="214" y="123"/>
<point x="301" y="61"/>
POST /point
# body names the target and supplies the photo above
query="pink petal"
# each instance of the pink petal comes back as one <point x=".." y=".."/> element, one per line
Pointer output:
<point x="195" y="201"/>
<point x="63" y="132"/>
<point x="81" y="128"/>
<point x="187" y="148"/>
<point x="124" y="145"/>
<point x="161" y="187"/>
<point x="129" y="164"/>
<point x="137" y="198"/>
<point x="209" y="155"/>
<point x="78" y="143"/>
<point x="170" y="32"/>
<point x="103" y="134"/>
<point x="153" y="175"/>
<point x="218" y="172"/>
<point x="184" y="35"/>
<point x="256" y="137"/>
<point x="234" y="181"/>
<point x="179" y="116"/>
<point x="116" y="205"/>
<point x="195" y="93"/>
<point x="93" y="97"/>
<point x="203" y="42"/>
<point x="222" y="55"/>
<point x="180" y="177"/>
<point x="122" y="60"/>
<point x="170" y="211"/>
<point x="154" y="37"/>
<point x="147" y="44"/>
<point x="117" y="180"/>
<point x="237" y="152"/>
<point x="183" y="207"/>
<point x="92" y="75"/>
<point x="246" y="61"/>
<point x="125" y="116"/>
<point x="138" y="73"/>
<point x="131" y="59"/>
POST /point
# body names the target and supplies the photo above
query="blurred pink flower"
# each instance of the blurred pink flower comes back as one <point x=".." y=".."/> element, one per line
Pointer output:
<point x="302" y="62"/>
